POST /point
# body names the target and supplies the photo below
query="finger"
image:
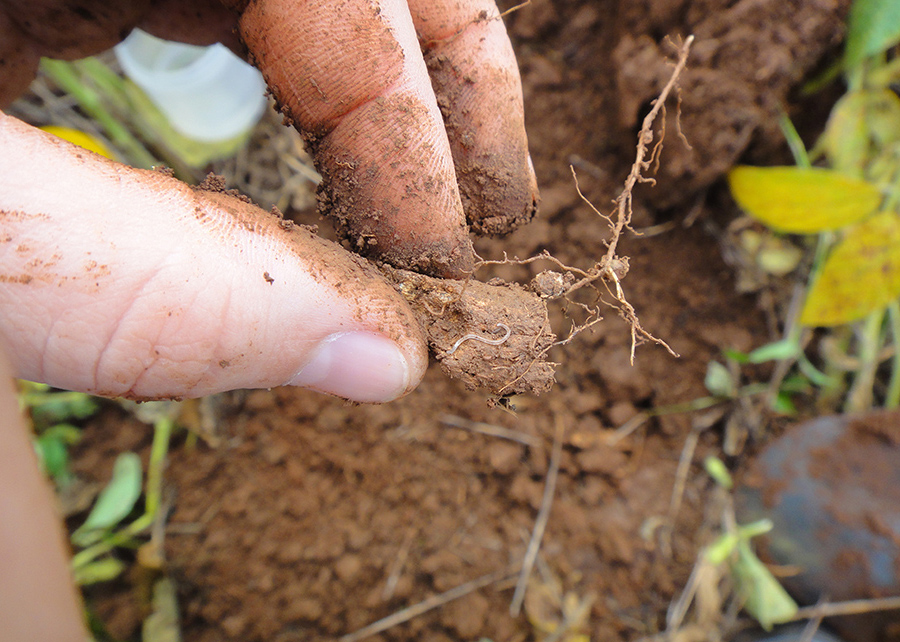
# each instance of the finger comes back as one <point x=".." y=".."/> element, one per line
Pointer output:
<point x="350" y="75"/>
<point x="71" y="30"/>
<point x="18" y="61"/>
<point x="475" y="76"/>
<point x="199" y="22"/>
<point x="124" y="282"/>
<point x="37" y="599"/>
<point x="59" y="29"/>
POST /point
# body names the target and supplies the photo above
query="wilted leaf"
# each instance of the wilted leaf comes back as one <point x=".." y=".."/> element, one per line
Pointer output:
<point x="873" y="26"/>
<point x="802" y="200"/>
<point x="162" y="623"/>
<point x="861" y="275"/>
<point x="773" y="254"/>
<point x="115" y="501"/>
<point x="764" y="598"/>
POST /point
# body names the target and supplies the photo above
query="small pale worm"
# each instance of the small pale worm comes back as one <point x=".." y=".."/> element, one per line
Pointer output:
<point x="475" y="337"/>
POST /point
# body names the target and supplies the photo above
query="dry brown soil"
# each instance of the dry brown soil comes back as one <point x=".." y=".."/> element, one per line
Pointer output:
<point x="315" y="517"/>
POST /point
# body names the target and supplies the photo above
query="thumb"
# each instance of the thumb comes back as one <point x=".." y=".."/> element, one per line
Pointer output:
<point x="125" y="282"/>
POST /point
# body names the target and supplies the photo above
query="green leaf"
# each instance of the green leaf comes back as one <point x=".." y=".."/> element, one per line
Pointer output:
<point x="115" y="501"/>
<point x="777" y="351"/>
<point x="797" y="383"/>
<point x="861" y="123"/>
<point x="873" y="26"/>
<point x="717" y="469"/>
<point x="722" y="548"/>
<point x="54" y="407"/>
<point x="736" y="355"/>
<point x="764" y="598"/>
<point x="755" y="529"/>
<point x="861" y="275"/>
<point x="783" y="404"/>
<point x="102" y="570"/>
<point x="54" y="457"/>
<point x="802" y="201"/>
<point x="66" y="433"/>
<point x="719" y="380"/>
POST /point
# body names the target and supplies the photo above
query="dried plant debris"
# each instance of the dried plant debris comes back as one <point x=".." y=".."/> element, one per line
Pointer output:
<point x="491" y="335"/>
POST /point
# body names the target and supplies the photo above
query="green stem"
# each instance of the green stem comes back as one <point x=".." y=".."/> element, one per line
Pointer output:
<point x="798" y="149"/>
<point x="860" y="396"/>
<point x="162" y="433"/>
<point x="66" y="77"/>
<point x="702" y="403"/>
<point x="892" y="398"/>
<point x="122" y="537"/>
<point x="830" y="396"/>
<point x="855" y="77"/>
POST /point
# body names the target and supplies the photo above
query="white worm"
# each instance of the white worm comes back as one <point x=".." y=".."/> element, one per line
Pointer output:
<point x="475" y="337"/>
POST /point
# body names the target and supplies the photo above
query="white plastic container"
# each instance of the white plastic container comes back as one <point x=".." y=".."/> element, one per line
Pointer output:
<point x="207" y="93"/>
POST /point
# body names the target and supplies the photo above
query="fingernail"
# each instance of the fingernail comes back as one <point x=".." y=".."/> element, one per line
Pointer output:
<point x="361" y="366"/>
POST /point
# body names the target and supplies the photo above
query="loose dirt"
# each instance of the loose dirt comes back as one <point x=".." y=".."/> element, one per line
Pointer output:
<point x="314" y="518"/>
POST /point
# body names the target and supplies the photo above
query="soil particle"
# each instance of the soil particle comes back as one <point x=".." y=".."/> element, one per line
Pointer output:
<point x="216" y="184"/>
<point x="461" y="320"/>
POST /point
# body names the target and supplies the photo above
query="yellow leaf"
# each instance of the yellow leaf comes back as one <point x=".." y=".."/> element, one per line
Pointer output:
<point x="802" y="200"/>
<point x="79" y="138"/>
<point x="861" y="275"/>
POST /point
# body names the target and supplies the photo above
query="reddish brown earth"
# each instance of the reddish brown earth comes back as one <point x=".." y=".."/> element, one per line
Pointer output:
<point x="314" y="518"/>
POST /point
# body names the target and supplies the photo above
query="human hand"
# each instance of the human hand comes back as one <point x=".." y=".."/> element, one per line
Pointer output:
<point x="125" y="282"/>
<point x="390" y="181"/>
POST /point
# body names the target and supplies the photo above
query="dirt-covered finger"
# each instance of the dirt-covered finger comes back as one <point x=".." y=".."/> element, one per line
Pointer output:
<point x="476" y="79"/>
<point x="18" y="61"/>
<point x="350" y="76"/>
<point x="126" y="282"/>
<point x="74" y="29"/>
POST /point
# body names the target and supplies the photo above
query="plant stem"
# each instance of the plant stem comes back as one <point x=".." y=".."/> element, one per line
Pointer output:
<point x="162" y="432"/>
<point x="65" y="75"/>
<point x="861" y="394"/>
<point x="892" y="398"/>
<point x="798" y="149"/>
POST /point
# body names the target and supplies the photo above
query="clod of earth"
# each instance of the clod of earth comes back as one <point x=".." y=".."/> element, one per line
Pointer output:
<point x="449" y="310"/>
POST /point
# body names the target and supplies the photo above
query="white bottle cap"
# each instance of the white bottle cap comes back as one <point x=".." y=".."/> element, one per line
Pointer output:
<point x="207" y="93"/>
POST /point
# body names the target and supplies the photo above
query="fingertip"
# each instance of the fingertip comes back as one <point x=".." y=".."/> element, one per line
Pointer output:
<point x="360" y="366"/>
<point x="475" y="76"/>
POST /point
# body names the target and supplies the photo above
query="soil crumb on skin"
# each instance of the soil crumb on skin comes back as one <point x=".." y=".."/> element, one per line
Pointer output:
<point x="450" y="311"/>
